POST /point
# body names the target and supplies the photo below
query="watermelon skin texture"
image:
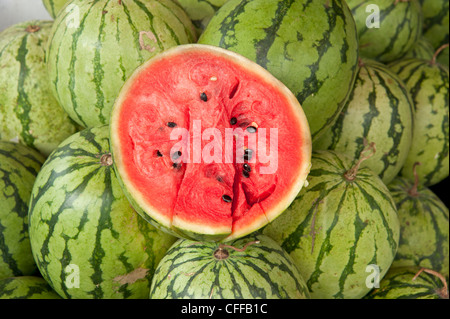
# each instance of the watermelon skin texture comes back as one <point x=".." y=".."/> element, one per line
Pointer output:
<point x="428" y="84"/>
<point x="29" y="113"/>
<point x="400" y="28"/>
<point x="54" y="6"/>
<point x="315" y="58"/>
<point x="436" y="21"/>
<point x="424" y="227"/>
<point x="201" y="11"/>
<point x="399" y="284"/>
<point x="19" y="166"/>
<point x="79" y="217"/>
<point x="264" y="270"/>
<point x="379" y="110"/>
<point x="88" y="63"/>
<point x="336" y="228"/>
<point x="423" y="49"/>
<point x="26" y="287"/>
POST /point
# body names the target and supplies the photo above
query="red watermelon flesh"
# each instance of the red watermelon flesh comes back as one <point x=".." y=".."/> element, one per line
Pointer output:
<point x="192" y="132"/>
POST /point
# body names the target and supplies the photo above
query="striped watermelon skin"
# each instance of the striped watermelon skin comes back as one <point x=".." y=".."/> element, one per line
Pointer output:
<point x="336" y="228"/>
<point x="54" y="6"/>
<point x="96" y="45"/>
<point x="19" y="166"/>
<point x="29" y="113"/>
<point x="379" y="110"/>
<point x="429" y="87"/>
<point x="424" y="227"/>
<point x="195" y="270"/>
<point x="80" y="218"/>
<point x="26" y="287"/>
<point x="201" y="11"/>
<point x="316" y="58"/>
<point x="436" y="21"/>
<point x="423" y="49"/>
<point x="443" y="58"/>
<point x="399" y="284"/>
<point x="399" y="29"/>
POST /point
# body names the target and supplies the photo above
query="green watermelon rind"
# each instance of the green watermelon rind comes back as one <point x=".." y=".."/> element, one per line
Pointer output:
<point x="263" y="269"/>
<point x="380" y="110"/>
<point x="26" y="287"/>
<point x="29" y="113"/>
<point x="80" y="222"/>
<point x="336" y="228"/>
<point x="19" y="166"/>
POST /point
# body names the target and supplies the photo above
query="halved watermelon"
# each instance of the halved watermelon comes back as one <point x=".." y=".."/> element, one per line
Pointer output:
<point x="207" y="144"/>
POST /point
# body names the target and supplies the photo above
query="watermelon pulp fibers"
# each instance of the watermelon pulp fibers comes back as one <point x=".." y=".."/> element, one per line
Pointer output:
<point x="208" y="144"/>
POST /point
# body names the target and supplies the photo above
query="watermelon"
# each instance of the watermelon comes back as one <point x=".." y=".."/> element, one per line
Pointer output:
<point x="86" y="239"/>
<point x="96" y="45"/>
<point x="443" y="58"/>
<point x="207" y="144"/>
<point x="310" y="46"/>
<point x="436" y="21"/>
<point x="379" y="110"/>
<point x="399" y="27"/>
<point x="424" y="227"/>
<point x="19" y="166"/>
<point x="26" y="287"/>
<point x="54" y="6"/>
<point x="343" y="222"/>
<point x="28" y="111"/>
<point x="411" y="283"/>
<point x="201" y="11"/>
<point x="422" y="49"/>
<point x="252" y="267"/>
<point x="428" y="83"/>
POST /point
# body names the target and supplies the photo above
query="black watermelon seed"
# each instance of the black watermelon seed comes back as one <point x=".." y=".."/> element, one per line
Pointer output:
<point x="233" y="121"/>
<point x="251" y="129"/>
<point x="171" y="124"/>
<point x="159" y="154"/>
<point x="176" y="155"/>
<point x="247" y="168"/>
<point x="246" y="174"/>
<point x="226" y="199"/>
<point x="175" y="165"/>
<point x="248" y="154"/>
<point x="203" y="97"/>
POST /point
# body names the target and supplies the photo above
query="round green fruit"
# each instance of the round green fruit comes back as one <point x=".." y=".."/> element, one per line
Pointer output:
<point x="86" y="239"/>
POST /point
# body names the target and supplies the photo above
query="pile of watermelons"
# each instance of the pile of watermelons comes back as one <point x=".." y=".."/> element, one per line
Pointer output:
<point x="279" y="149"/>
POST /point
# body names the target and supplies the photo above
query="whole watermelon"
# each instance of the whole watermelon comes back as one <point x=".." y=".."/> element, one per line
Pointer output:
<point x="436" y="21"/>
<point x="86" y="239"/>
<point x="26" y="287"/>
<point x="387" y="29"/>
<point x="343" y="222"/>
<point x="96" y="45"/>
<point x="28" y="111"/>
<point x="428" y="83"/>
<point x="19" y="166"/>
<point x="201" y="11"/>
<point x="379" y="110"/>
<point x="424" y="227"/>
<point x="402" y="283"/>
<point x="248" y="268"/>
<point x="310" y="46"/>
<point x="54" y="6"/>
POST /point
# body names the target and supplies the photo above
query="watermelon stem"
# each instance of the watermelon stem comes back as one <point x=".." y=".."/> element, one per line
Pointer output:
<point x="106" y="159"/>
<point x="222" y="246"/>
<point x="413" y="191"/>
<point x="438" y="51"/>
<point x="350" y="175"/>
<point x="32" y="28"/>
<point x="443" y="292"/>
